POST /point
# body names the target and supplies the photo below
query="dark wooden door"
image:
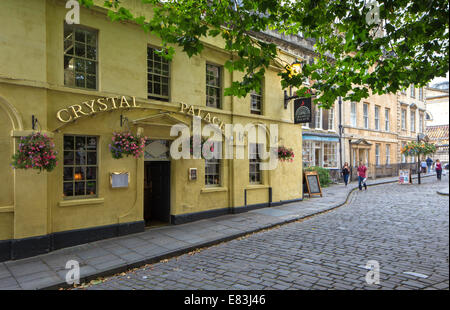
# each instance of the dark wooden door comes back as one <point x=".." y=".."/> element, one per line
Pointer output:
<point x="157" y="192"/>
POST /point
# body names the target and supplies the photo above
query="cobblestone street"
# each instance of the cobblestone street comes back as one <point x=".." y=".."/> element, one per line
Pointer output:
<point x="405" y="228"/>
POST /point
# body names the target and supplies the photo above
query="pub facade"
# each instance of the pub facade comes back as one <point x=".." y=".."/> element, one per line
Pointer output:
<point x="80" y="85"/>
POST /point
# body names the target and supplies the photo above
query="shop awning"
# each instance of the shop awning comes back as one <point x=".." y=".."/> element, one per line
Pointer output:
<point x="321" y="138"/>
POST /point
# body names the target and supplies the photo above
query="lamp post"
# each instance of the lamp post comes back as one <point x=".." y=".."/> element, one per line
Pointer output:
<point x="418" y="161"/>
<point x="420" y="136"/>
<point x="340" y="131"/>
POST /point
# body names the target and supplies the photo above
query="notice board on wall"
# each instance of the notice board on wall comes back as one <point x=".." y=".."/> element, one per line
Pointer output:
<point x="312" y="183"/>
<point x="119" y="179"/>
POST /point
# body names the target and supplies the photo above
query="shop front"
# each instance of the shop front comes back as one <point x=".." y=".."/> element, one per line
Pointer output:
<point x="321" y="150"/>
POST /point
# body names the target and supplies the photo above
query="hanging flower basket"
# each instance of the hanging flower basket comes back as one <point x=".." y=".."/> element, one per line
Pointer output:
<point x="36" y="151"/>
<point x="415" y="148"/>
<point x="285" y="154"/>
<point x="125" y="143"/>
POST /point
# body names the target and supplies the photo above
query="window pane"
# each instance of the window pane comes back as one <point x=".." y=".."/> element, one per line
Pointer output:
<point x="92" y="158"/>
<point x="69" y="71"/>
<point x="158" y="77"/>
<point x="79" y="79"/>
<point x="91" y="38"/>
<point x="91" y="67"/>
<point x="157" y="89"/>
<point x="165" y="90"/>
<point x="91" y="173"/>
<point x="91" y="188"/>
<point x="165" y="69"/>
<point x="79" y="188"/>
<point x="84" y="46"/>
<point x="80" y="36"/>
<point x="80" y="65"/>
<point x="68" y="32"/>
<point x="68" y="143"/>
<point x="80" y="174"/>
<point x="68" y="173"/>
<point x="68" y="47"/>
<point x="91" y="81"/>
<point x="80" y="157"/>
<point x="68" y="189"/>
<point x="91" y="52"/>
<point x="80" y="50"/>
<point x="80" y="143"/>
<point x="76" y="170"/>
<point x="68" y="158"/>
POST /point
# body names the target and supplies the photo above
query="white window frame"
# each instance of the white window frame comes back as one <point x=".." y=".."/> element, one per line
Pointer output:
<point x="366" y="115"/>
<point x="326" y="147"/>
<point x="331" y="119"/>
<point x="420" y="122"/>
<point x="412" y="120"/>
<point x="318" y="118"/>
<point x="215" y="161"/>
<point x="353" y="113"/>
<point x="387" y="119"/>
<point x="377" y="154"/>
<point x="377" y="117"/>
<point x="403" y="119"/>
<point x="388" y="154"/>
<point x="308" y="153"/>
<point x="255" y="160"/>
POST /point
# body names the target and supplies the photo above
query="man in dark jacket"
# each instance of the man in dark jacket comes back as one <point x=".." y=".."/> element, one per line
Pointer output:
<point x="429" y="163"/>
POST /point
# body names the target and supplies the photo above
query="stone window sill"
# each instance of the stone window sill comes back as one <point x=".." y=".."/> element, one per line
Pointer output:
<point x="81" y="202"/>
<point x="257" y="186"/>
<point x="6" y="209"/>
<point x="214" y="189"/>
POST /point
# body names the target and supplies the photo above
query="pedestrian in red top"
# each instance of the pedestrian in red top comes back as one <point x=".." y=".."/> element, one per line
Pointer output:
<point x="438" y="168"/>
<point x="362" y="176"/>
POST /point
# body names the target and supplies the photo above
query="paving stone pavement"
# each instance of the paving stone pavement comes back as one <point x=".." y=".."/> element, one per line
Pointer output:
<point x="106" y="257"/>
<point x="404" y="228"/>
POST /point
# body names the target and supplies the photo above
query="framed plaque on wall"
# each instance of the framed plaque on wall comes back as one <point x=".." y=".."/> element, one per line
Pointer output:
<point x="119" y="179"/>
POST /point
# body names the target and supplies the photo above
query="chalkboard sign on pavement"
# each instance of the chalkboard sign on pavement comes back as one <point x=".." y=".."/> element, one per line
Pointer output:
<point x="313" y="183"/>
<point x="404" y="176"/>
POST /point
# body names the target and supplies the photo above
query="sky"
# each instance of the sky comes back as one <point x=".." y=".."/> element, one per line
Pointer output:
<point x="440" y="79"/>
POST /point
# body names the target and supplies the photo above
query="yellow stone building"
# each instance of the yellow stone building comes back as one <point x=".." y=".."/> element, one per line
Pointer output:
<point x="375" y="129"/>
<point x="84" y="82"/>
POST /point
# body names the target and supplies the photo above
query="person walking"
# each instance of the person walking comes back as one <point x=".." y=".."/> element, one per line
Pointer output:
<point x="362" y="176"/>
<point x="346" y="172"/>
<point x="429" y="163"/>
<point x="423" y="165"/>
<point x="438" y="168"/>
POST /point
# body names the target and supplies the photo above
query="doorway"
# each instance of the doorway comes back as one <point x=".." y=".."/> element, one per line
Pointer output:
<point x="318" y="155"/>
<point x="157" y="193"/>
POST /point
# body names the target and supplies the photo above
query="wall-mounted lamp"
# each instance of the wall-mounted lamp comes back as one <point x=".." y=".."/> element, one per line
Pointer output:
<point x="123" y="120"/>
<point x="296" y="66"/>
<point x="34" y="122"/>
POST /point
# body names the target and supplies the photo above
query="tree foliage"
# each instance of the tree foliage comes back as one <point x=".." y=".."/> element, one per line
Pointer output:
<point x="355" y="55"/>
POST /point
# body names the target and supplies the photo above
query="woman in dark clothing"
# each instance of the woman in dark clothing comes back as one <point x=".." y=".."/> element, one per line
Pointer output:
<point x="346" y="172"/>
<point x="438" y="168"/>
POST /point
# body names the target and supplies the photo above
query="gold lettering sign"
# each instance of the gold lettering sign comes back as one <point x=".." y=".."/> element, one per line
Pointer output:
<point x="93" y="106"/>
<point x="194" y="111"/>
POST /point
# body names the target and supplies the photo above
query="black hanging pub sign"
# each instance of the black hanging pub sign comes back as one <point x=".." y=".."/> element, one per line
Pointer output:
<point x="302" y="110"/>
